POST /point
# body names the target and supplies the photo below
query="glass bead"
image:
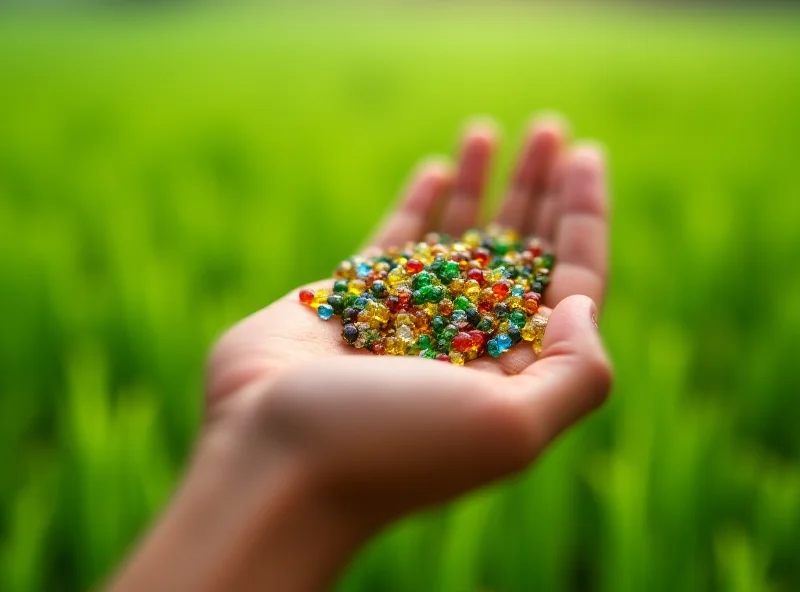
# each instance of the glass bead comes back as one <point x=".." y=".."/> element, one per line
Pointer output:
<point x="320" y="297"/>
<point x="357" y="286"/>
<point x="486" y="324"/>
<point x="363" y="270"/>
<point x="424" y="342"/>
<point x="405" y="333"/>
<point x="476" y="275"/>
<point x="461" y="342"/>
<point x="349" y="333"/>
<point x="472" y="238"/>
<point x="503" y="341"/>
<point x="478" y="339"/>
<point x="325" y="311"/>
<point x="461" y="303"/>
<point x="350" y="315"/>
<point x="459" y="316"/>
<point x="414" y="266"/>
<point x="513" y="302"/>
<point x="449" y="332"/>
<point x="379" y="347"/>
<point x="449" y="271"/>
<point x="517" y="318"/>
<point x="473" y="316"/>
<point x="514" y="333"/>
<point x="501" y="310"/>
<point x="395" y="346"/>
<point x="517" y="290"/>
<point x="456" y="286"/>
<point x="493" y="348"/>
<point x="442" y="357"/>
<point x="438" y="323"/>
<point x="404" y="318"/>
<point x="457" y="358"/>
<point x="446" y="307"/>
<point x="306" y="297"/>
<point x="379" y="289"/>
<point x="393" y="303"/>
<point x="501" y="289"/>
<point x="422" y="279"/>
<point x="336" y="302"/>
<point x="340" y="286"/>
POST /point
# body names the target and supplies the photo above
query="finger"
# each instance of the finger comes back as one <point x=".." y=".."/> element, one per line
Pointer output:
<point x="463" y="208"/>
<point x="411" y="217"/>
<point x="521" y="208"/>
<point x="581" y="229"/>
<point x="571" y="378"/>
<point x="544" y="225"/>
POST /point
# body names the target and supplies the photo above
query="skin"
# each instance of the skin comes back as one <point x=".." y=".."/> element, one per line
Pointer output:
<point x="310" y="446"/>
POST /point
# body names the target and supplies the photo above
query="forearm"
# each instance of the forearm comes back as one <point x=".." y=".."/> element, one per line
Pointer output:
<point x="236" y="526"/>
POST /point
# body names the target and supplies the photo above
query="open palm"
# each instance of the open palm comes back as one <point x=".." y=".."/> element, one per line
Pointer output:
<point x="416" y="431"/>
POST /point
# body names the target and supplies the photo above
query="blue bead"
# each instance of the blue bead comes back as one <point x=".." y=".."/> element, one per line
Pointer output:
<point x="325" y="311"/>
<point x="517" y="291"/>
<point x="363" y="270"/>
<point x="503" y="341"/>
<point x="493" y="348"/>
<point x="459" y="316"/>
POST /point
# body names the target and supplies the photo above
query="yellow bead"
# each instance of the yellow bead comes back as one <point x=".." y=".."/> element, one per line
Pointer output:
<point x="456" y="287"/>
<point x="457" y="358"/>
<point x="514" y="302"/>
<point x="472" y="289"/>
<point x="378" y="312"/>
<point x="356" y="287"/>
<point x="472" y="238"/>
<point x="395" y="346"/>
<point x="430" y="309"/>
<point x="503" y="327"/>
<point x="320" y="297"/>
<point x="396" y="277"/>
<point x="404" y="319"/>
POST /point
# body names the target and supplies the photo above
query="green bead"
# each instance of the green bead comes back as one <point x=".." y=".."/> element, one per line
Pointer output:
<point x="428" y="353"/>
<point x="450" y="271"/>
<point x="517" y="318"/>
<point x="461" y="303"/>
<point x="422" y="279"/>
<point x="547" y="261"/>
<point x="340" y="285"/>
<point x="426" y="294"/>
<point x="437" y="294"/>
<point x="438" y="323"/>
<point x="424" y="342"/>
<point x="449" y="332"/>
<point x="485" y="324"/>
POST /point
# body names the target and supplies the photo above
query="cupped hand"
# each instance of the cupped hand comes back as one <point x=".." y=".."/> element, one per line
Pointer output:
<point x="413" y="430"/>
<point x="310" y="446"/>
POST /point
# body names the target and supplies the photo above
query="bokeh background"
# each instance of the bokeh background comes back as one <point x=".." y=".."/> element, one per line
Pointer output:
<point x="166" y="170"/>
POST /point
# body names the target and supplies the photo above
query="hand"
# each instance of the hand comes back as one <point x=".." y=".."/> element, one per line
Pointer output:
<point x="311" y="445"/>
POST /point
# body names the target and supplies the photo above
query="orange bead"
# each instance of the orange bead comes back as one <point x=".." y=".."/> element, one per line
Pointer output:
<point x="306" y="297"/>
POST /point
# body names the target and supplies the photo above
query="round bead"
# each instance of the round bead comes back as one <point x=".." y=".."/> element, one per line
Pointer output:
<point x="325" y="311"/>
<point x="349" y="333"/>
<point x="462" y="342"/>
<point x="306" y="296"/>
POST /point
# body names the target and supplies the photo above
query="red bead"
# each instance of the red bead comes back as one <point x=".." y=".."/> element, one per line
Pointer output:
<point x="482" y="256"/>
<point x="442" y="357"/>
<point x="462" y="342"/>
<point x="404" y="297"/>
<point x="379" y="347"/>
<point x="501" y="289"/>
<point x="478" y="338"/>
<point x="414" y="266"/>
<point x="393" y="303"/>
<point x="306" y="296"/>
<point x="477" y="275"/>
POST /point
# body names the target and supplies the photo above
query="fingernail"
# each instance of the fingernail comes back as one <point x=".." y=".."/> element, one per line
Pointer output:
<point x="553" y="118"/>
<point x="594" y="320"/>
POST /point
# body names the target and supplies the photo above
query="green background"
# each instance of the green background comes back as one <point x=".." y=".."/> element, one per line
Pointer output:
<point x="165" y="172"/>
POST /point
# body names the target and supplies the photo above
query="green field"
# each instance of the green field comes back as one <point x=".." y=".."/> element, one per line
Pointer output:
<point x="163" y="174"/>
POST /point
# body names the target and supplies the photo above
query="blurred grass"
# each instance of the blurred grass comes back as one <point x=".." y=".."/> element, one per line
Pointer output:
<point x="164" y="173"/>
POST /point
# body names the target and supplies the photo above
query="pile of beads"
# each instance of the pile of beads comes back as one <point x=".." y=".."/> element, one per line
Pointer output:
<point x="441" y="299"/>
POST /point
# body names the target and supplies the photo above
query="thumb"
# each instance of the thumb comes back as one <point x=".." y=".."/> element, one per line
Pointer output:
<point x="572" y="376"/>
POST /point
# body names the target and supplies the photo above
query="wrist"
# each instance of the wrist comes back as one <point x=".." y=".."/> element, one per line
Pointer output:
<point x="245" y="517"/>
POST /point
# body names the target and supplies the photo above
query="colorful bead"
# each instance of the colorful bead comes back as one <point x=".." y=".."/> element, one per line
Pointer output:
<point x="448" y="300"/>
